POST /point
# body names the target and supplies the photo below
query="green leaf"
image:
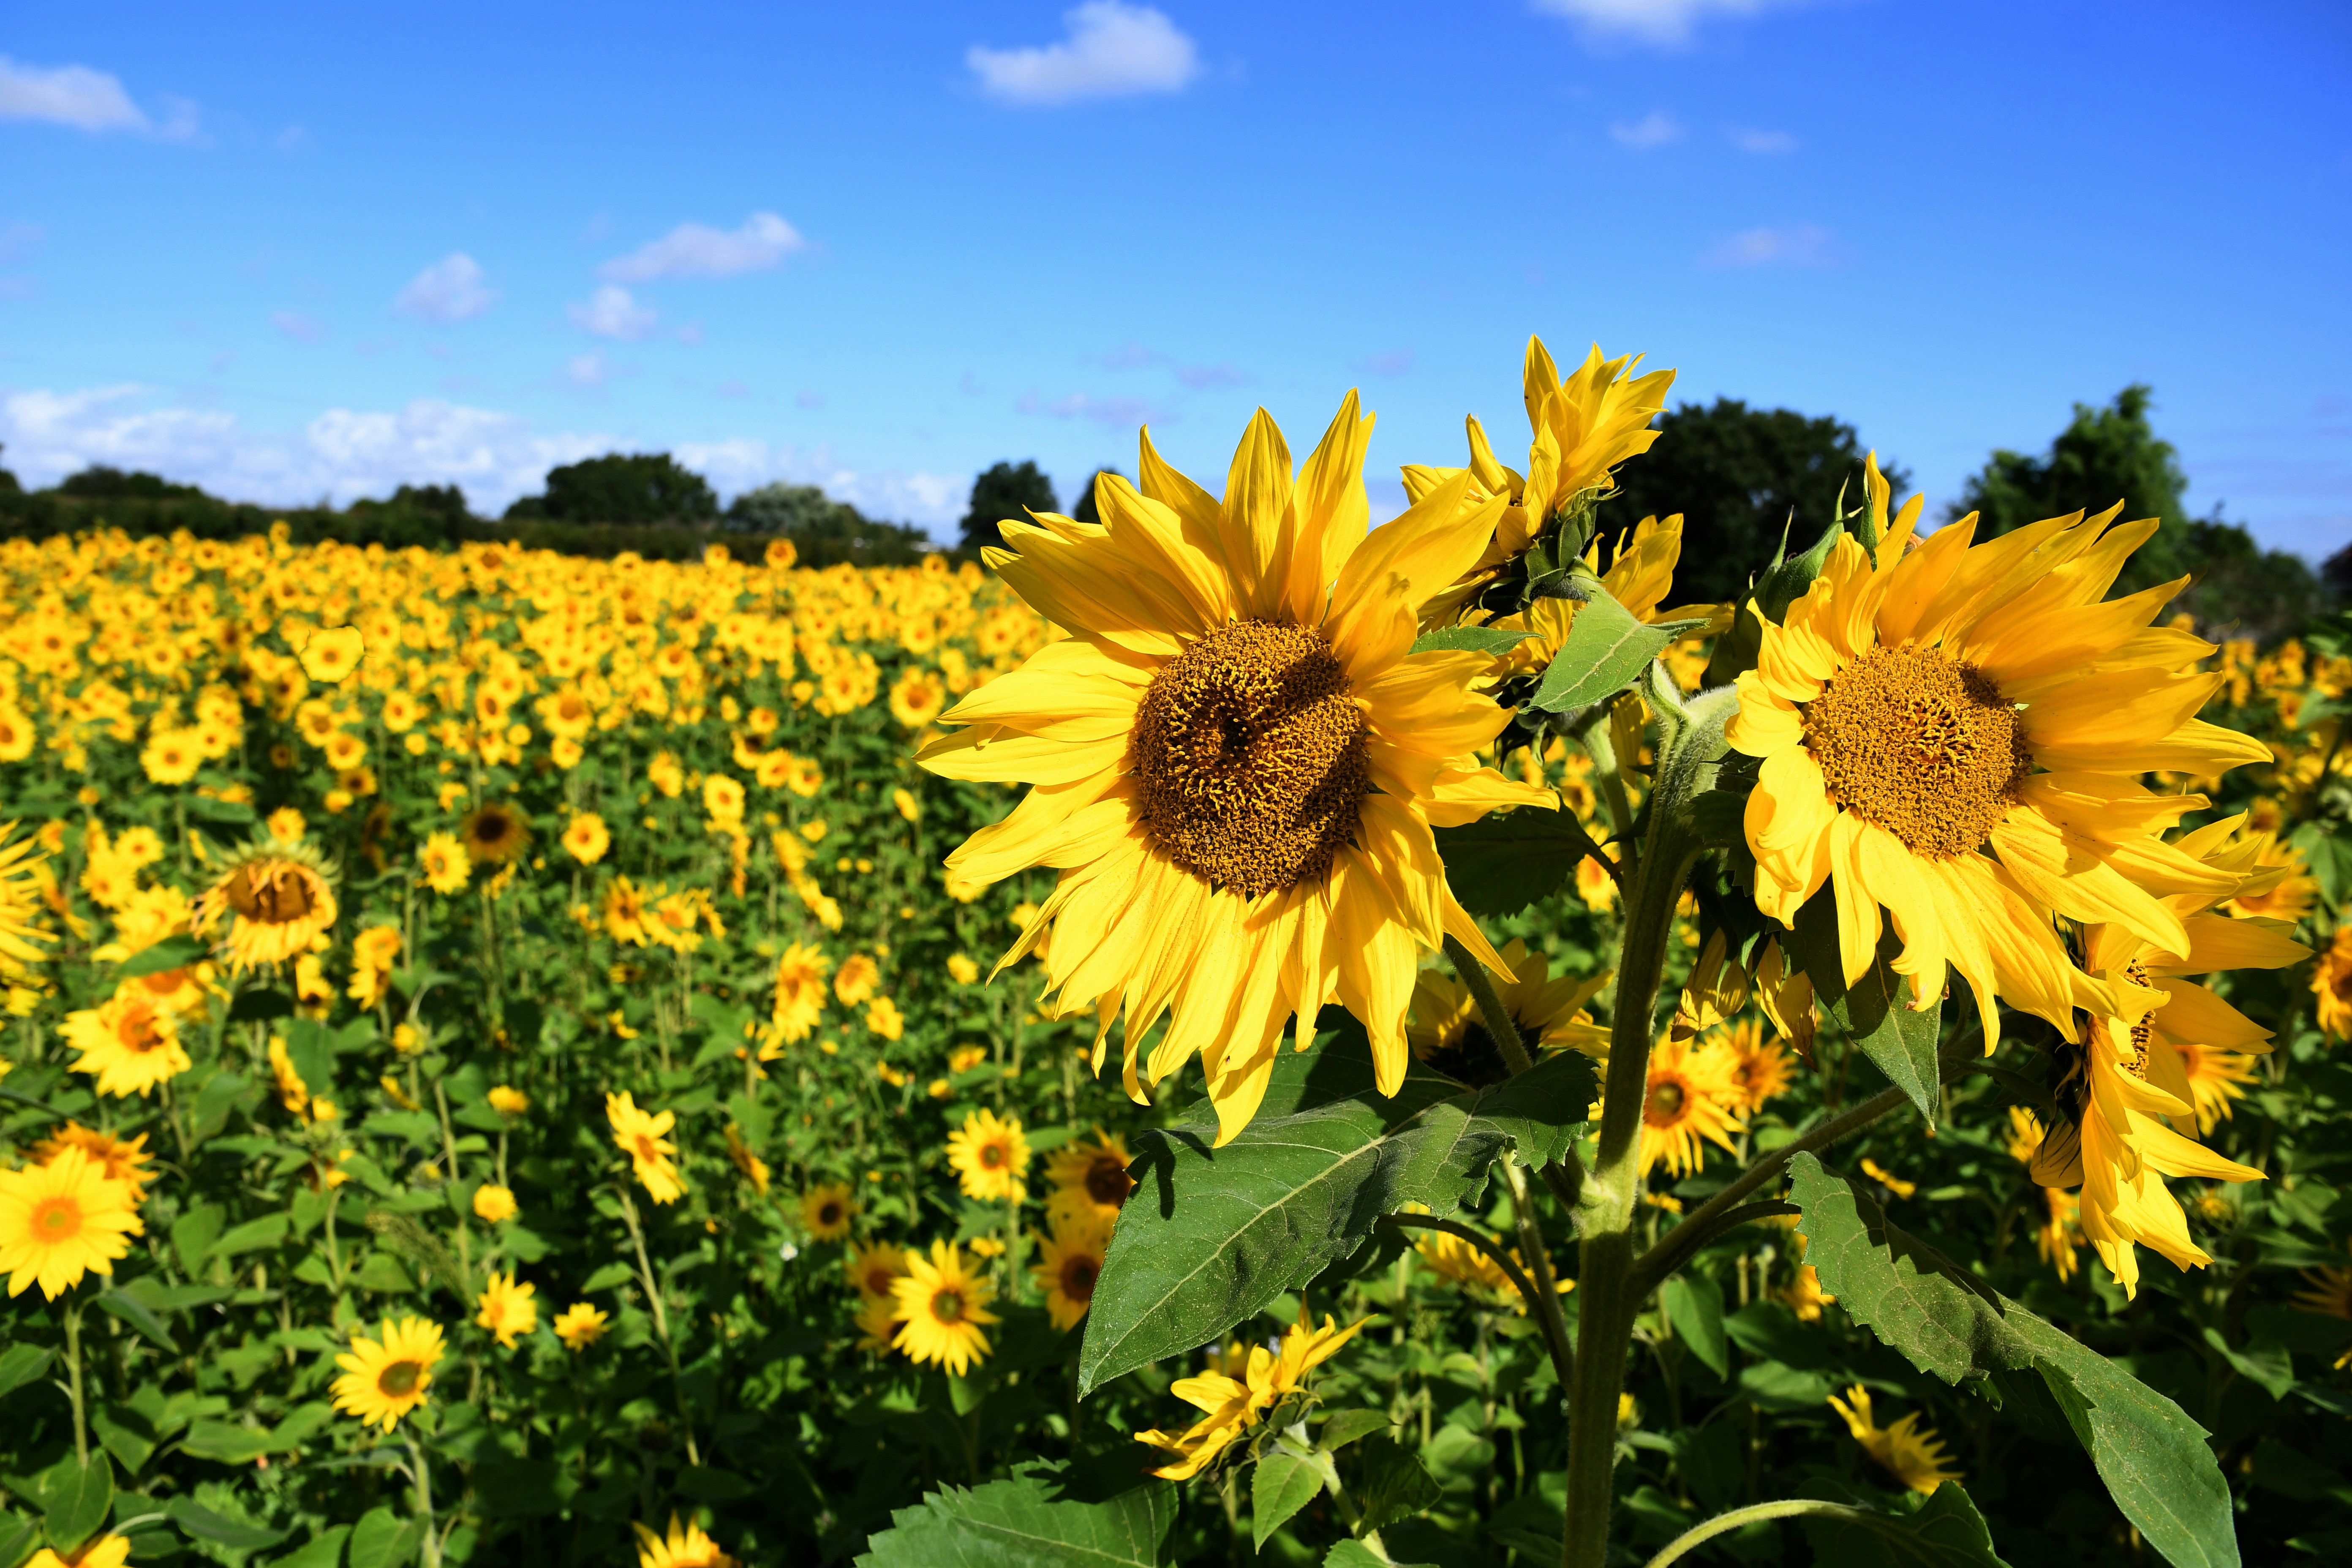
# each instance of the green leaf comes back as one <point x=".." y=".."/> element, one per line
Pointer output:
<point x="1469" y="639"/>
<point x="324" y="1550"/>
<point x="1499" y="865"/>
<point x="126" y="1434"/>
<point x="22" y="1364"/>
<point x="312" y="1052"/>
<point x="76" y="1498"/>
<point x="204" y="1523"/>
<point x="1605" y="650"/>
<point x="1944" y="1532"/>
<point x="1283" y="1483"/>
<point x="1876" y="1011"/>
<point x="1394" y="1485"/>
<point x="1350" y="1424"/>
<point x="1694" y="1304"/>
<point x="2154" y="1460"/>
<point x="2267" y="1365"/>
<point x="172" y="952"/>
<point x="193" y="1233"/>
<point x="607" y="1276"/>
<point x="383" y="1539"/>
<point x="1029" y="1522"/>
<point x="1212" y="1236"/>
<point x="225" y="1442"/>
<point x="122" y="1304"/>
<point x="382" y="1272"/>
<point x="253" y="1235"/>
<point x="19" y="1537"/>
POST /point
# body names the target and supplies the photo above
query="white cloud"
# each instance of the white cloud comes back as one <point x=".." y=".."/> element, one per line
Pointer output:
<point x="1666" y="24"/>
<point x="588" y="369"/>
<point x="1762" y="143"/>
<point x="453" y="289"/>
<point x="301" y="328"/>
<point x="1799" y="244"/>
<point x="932" y="502"/>
<point x="1118" y="412"/>
<point x="86" y="99"/>
<point x="699" y="250"/>
<point x="1114" y="50"/>
<point x="1653" y="130"/>
<point x="613" y="312"/>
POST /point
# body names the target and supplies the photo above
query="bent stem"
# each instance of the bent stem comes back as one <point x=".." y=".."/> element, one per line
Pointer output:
<point x="1723" y="1523"/>
<point x="1554" y="1324"/>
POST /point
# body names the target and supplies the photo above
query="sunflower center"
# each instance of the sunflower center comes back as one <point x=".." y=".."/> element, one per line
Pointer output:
<point x="400" y="1379"/>
<point x="1252" y="758"/>
<point x="947" y="1306"/>
<point x="1916" y="742"/>
<point x="992" y="1156"/>
<point x="1078" y="1276"/>
<point x="56" y="1218"/>
<point x="646" y="1152"/>
<point x="1108" y="1181"/>
<point x="137" y="1031"/>
<point x="1664" y="1106"/>
<point x="1469" y="1054"/>
<point x="2143" y="1029"/>
<point x="829" y="1216"/>
<point x="270" y="894"/>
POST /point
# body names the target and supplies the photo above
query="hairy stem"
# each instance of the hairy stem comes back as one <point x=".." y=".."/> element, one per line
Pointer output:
<point x="1500" y="1025"/>
<point x="73" y="1383"/>
<point x="1544" y="1301"/>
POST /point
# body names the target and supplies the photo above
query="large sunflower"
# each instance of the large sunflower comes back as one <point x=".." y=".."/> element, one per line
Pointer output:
<point x="942" y="1305"/>
<point x="63" y="1219"/>
<point x="1954" y="731"/>
<point x="129" y="1043"/>
<point x="283" y="899"/>
<point x="1237" y="757"/>
<point x="385" y="1379"/>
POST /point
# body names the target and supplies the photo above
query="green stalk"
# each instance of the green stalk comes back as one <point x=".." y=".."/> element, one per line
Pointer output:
<point x="73" y="1384"/>
<point x="661" y="1325"/>
<point x="1724" y="1524"/>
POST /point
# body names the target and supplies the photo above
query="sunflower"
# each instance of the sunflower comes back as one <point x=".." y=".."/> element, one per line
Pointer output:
<point x="1690" y="1096"/>
<point x="2024" y="1135"/>
<point x="385" y="1379"/>
<point x="1759" y="1067"/>
<point x="62" y="1219"/>
<point x="754" y="1169"/>
<point x="826" y="1211"/>
<point x="685" y="1547"/>
<point x="508" y="1102"/>
<point x="116" y="1159"/>
<point x="507" y="1308"/>
<point x="800" y="992"/>
<point x="872" y="1268"/>
<point x="1238" y="759"/>
<point x="1909" y="1452"/>
<point x="1445" y="1030"/>
<point x="585" y="838"/>
<point x="942" y="1306"/>
<point x="131" y="1043"/>
<point x="172" y="757"/>
<point x="917" y="698"/>
<point x="2282" y="888"/>
<point x="2327" y="1292"/>
<point x="644" y="1138"/>
<point x="97" y="1552"/>
<point x="1467" y="1266"/>
<point x="859" y="978"/>
<point x="2215" y="1079"/>
<point x="1787" y="999"/>
<point x="281" y="897"/>
<point x="1089" y="1176"/>
<point x="2331" y="983"/>
<point x="1231" y="1405"/>
<point x="1070" y="1262"/>
<point x="1921" y="711"/>
<point x="624" y="912"/>
<point x="20" y="897"/>
<point x="990" y="1156"/>
<point x="330" y="656"/>
<point x="579" y="1325"/>
<point x="494" y="1204"/>
<point x="2059" y="1236"/>
<point x="877" y="1321"/>
<point x="494" y="834"/>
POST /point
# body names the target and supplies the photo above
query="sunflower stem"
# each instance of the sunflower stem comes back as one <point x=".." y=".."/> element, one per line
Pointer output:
<point x="661" y="1324"/>
<point x="422" y="1477"/>
<point x="1544" y="1301"/>
<point x="73" y="1379"/>
<point x="1501" y="1027"/>
<point x="1722" y="1523"/>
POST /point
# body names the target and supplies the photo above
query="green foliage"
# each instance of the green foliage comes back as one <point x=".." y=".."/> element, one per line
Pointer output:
<point x="1005" y="492"/>
<point x="625" y="488"/>
<point x="824" y="531"/>
<point x="1606" y="649"/>
<point x="1034" y="1521"/>
<point x="1876" y="1009"/>
<point x="1943" y="1531"/>
<point x="1503" y="863"/>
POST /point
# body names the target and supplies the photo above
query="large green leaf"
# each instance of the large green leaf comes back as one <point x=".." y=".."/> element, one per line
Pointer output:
<point x="382" y="1539"/>
<point x="1876" y="1011"/>
<point x="1944" y="1532"/>
<point x="1395" y="1484"/>
<point x="76" y="1498"/>
<point x="1499" y="865"/>
<point x="1211" y="1236"/>
<point x="1029" y="1522"/>
<point x="1606" y="650"/>
<point x="1693" y="1305"/>
<point x="172" y="952"/>
<point x="1469" y="639"/>
<point x="1282" y="1483"/>
<point x="2154" y="1460"/>
<point x="204" y="1523"/>
<point x="22" y="1364"/>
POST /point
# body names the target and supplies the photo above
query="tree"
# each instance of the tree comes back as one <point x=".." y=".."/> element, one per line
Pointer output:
<point x="1083" y="509"/>
<point x="2113" y="454"/>
<point x="1006" y="493"/>
<point x="1735" y="473"/>
<point x="642" y="487"/>
<point x="8" y="485"/>
<point x="824" y="531"/>
<point x="100" y="483"/>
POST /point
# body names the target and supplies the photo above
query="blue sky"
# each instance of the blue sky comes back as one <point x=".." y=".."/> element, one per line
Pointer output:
<point x="293" y="251"/>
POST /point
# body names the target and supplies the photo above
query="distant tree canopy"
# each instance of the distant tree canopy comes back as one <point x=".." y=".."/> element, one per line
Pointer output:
<point x="643" y="487"/>
<point x="1083" y="509"/>
<point x="824" y="531"/>
<point x="2112" y="454"/>
<point x="1007" y="492"/>
<point x="98" y="481"/>
<point x="1735" y="472"/>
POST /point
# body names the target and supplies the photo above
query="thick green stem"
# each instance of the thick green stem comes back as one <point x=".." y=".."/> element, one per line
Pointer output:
<point x="422" y="1477"/>
<point x="1724" y="1524"/>
<point x="1545" y="1299"/>
<point x="1567" y="1178"/>
<point x="73" y="1380"/>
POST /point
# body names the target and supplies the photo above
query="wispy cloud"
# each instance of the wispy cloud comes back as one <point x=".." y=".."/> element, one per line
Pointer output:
<point x="301" y="328"/>
<point x="1394" y="362"/>
<point x="1653" y="130"/>
<point x="1113" y="50"/>
<point x="699" y="250"/>
<point x="588" y="371"/>
<point x="613" y="312"/>
<point x="1130" y="356"/>
<point x="1665" y="24"/>
<point x="453" y="289"/>
<point x="1762" y="143"/>
<point x="1798" y="245"/>
<point x="86" y="99"/>
<point x="1210" y="377"/>
<point x="1117" y="412"/>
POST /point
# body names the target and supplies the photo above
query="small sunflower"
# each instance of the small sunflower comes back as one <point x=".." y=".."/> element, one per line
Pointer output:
<point x="873" y="1267"/>
<point x="494" y="834"/>
<point x="685" y="1547"/>
<point x="1760" y="1069"/>
<point x="384" y="1379"/>
<point x="2059" y="1237"/>
<point x="117" y="1159"/>
<point x="2216" y="1077"/>
<point x="625" y="912"/>
<point x="585" y="838"/>
<point x="943" y="1306"/>
<point x="20" y="897"/>
<point x="1445" y="1030"/>
<point x="494" y="1204"/>
<point x="507" y="1308"/>
<point x="877" y="1321"/>
<point x="282" y="897"/>
<point x="800" y="992"/>
<point x="579" y="1325"/>
<point x="1690" y="1097"/>
<point x="1089" y="1177"/>
<point x="330" y="656"/>
<point x="63" y="1219"/>
<point x="859" y="978"/>
<point x="508" y="1102"/>
<point x="131" y="1044"/>
<point x="990" y="1156"/>
<point x="826" y="1211"/>
<point x="644" y="1137"/>
<point x="754" y="1169"/>
<point x="1909" y="1452"/>
<point x="1070" y="1262"/>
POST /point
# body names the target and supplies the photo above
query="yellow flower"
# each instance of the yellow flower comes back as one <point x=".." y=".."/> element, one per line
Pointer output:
<point x="990" y="1156"/>
<point x="1236" y="751"/>
<point x="1956" y="733"/>
<point x="281" y="901"/>
<point x="644" y="1138"/>
<point x="2280" y="890"/>
<point x="586" y="839"/>
<point x="99" y="1552"/>
<point x="2331" y="982"/>
<point x="665" y="775"/>
<point x="826" y="1211"/>
<point x="508" y="1102"/>
<point x="1759" y="1067"/>
<point x="1068" y="1263"/>
<point x="63" y="1219"/>
<point x="625" y="912"/>
<point x="446" y="866"/>
<point x="129" y="1043"/>
<point x="2024" y="1135"/>
<point x="857" y="980"/>
<point x="1447" y="1031"/>
<point x="1232" y="1406"/>
<point x="494" y="835"/>
<point x="579" y="1325"/>
<point x="116" y="1159"/>
<point x="330" y="656"/>
<point x="2061" y="1232"/>
<point x="1089" y="1177"/>
<point x="1888" y="1179"/>
<point x="883" y="1019"/>
<point x="1805" y="1296"/>
<point x="171" y="757"/>
<point x="1787" y="999"/>
<point x="385" y="1379"/>
<point x="1690" y="1097"/>
<point x="877" y="1321"/>
<point x="916" y="699"/>
<point x="908" y="806"/>
<point x="493" y="1203"/>
<point x="872" y="1268"/>
<point x="1909" y="1452"/>
<point x="943" y="1307"/>
<point x="507" y="1308"/>
<point x="683" y="1548"/>
<point x="754" y="1169"/>
<point x="963" y="969"/>
<point x="21" y="873"/>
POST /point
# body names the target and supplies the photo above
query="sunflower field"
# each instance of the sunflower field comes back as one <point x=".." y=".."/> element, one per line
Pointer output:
<point x="510" y="1057"/>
